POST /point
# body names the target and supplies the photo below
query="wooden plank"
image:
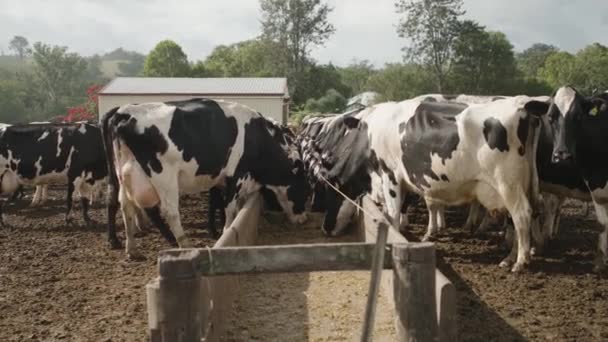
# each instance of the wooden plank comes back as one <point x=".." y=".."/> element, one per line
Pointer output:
<point x="286" y="259"/>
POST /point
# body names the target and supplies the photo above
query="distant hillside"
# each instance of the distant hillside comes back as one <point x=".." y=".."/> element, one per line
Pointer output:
<point x="110" y="69"/>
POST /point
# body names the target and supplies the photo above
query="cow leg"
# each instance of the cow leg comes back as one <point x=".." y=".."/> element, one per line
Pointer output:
<point x="601" y="260"/>
<point x="167" y="219"/>
<point x="216" y="203"/>
<point x="404" y="221"/>
<point x="519" y="207"/>
<point x="485" y="223"/>
<point x="37" y="196"/>
<point x="112" y="209"/>
<point x="68" y="219"/>
<point x="432" y="228"/>
<point x="473" y="217"/>
<point x="441" y="218"/>
<point x="44" y="194"/>
<point x="85" y="211"/>
<point x="129" y="211"/>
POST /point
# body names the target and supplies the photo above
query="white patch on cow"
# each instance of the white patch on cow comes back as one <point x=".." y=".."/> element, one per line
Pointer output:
<point x="44" y="135"/>
<point x="82" y="129"/>
<point x="564" y="98"/>
<point x="345" y="214"/>
<point x="59" y="140"/>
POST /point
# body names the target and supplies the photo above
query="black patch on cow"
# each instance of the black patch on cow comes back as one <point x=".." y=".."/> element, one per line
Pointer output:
<point x="431" y="130"/>
<point x="145" y="145"/>
<point x="495" y="134"/>
<point x="392" y="193"/>
<point x="450" y="97"/>
<point x="201" y="130"/>
<point x="445" y="178"/>
<point x="157" y="218"/>
<point x="522" y="133"/>
<point x="379" y="166"/>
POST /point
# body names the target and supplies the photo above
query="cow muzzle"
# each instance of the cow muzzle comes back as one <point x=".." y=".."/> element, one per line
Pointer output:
<point x="560" y="156"/>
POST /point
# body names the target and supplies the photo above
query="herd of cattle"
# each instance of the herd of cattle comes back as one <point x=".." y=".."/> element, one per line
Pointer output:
<point x="517" y="155"/>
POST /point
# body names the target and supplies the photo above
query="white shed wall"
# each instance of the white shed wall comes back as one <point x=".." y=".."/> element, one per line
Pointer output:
<point x="268" y="106"/>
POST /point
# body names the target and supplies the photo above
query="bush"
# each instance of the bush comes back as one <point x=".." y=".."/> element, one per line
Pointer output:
<point x="331" y="102"/>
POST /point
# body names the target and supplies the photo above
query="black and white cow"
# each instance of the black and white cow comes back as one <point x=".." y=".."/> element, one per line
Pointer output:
<point x="216" y="197"/>
<point x="579" y="129"/>
<point x="448" y="153"/>
<point x="157" y="151"/>
<point x="39" y="154"/>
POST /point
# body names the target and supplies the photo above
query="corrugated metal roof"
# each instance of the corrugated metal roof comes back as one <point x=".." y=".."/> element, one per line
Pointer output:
<point x="197" y="86"/>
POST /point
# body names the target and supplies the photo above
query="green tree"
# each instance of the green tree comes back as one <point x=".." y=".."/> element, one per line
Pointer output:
<point x="484" y="62"/>
<point x="560" y="68"/>
<point x="397" y="82"/>
<point x="592" y="64"/>
<point x="250" y="58"/>
<point x="431" y="26"/>
<point x="356" y="75"/>
<point x="331" y="102"/>
<point x="61" y="75"/>
<point x="20" y="45"/>
<point x="532" y="59"/>
<point x="166" y="60"/>
<point x="297" y="26"/>
<point x="316" y="80"/>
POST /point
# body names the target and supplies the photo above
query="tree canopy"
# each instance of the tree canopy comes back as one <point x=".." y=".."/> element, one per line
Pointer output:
<point x="166" y="60"/>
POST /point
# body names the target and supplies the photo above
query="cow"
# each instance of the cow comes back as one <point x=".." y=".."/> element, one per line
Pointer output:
<point x="38" y="154"/>
<point x="449" y="153"/>
<point x="556" y="183"/>
<point x="157" y="151"/>
<point x="579" y="127"/>
<point x="216" y="201"/>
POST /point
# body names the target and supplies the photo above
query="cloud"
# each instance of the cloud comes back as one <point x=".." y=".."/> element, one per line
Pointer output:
<point x="365" y="29"/>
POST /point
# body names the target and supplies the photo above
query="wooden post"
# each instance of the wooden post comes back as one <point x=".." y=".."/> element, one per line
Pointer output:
<point x="177" y="299"/>
<point x="374" y="284"/>
<point x="414" y="291"/>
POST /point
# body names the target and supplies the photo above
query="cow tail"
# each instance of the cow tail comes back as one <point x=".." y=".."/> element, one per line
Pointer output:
<point x="108" y="135"/>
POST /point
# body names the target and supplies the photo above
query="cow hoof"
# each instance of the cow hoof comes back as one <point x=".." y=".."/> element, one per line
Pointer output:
<point x="518" y="267"/>
<point x="505" y="263"/>
<point x="428" y="237"/>
<point x="135" y="256"/>
<point x="140" y="233"/>
<point x="115" y="244"/>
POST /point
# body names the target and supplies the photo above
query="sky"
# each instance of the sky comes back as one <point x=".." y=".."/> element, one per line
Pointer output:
<point x="365" y="29"/>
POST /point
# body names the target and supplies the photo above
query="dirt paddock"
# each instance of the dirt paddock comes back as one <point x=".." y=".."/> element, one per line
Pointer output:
<point x="62" y="283"/>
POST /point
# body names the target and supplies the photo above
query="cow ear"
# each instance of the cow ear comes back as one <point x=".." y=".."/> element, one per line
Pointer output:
<point x="351" y="122"/>
<point x="537" y="108"/>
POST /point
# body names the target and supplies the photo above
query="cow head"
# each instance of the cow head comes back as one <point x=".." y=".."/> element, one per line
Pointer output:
<point x="565" y="114"/>
<point x="291" y="197"/>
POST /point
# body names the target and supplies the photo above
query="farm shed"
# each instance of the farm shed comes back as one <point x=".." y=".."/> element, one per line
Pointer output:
<point x="269" y="96"/>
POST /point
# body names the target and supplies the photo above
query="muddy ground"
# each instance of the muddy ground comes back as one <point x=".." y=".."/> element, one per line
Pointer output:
<point x="557" y="299"/>
<point x="63" y="283"/>
<point x="60" y="282"/>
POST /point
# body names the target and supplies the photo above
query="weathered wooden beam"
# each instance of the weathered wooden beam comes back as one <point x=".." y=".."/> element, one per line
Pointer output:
<point x="414" y="291"/>
<point x="283" y="259"/>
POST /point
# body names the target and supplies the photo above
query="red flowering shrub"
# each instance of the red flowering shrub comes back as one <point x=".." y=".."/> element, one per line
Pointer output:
<point x="86" y="111"/>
